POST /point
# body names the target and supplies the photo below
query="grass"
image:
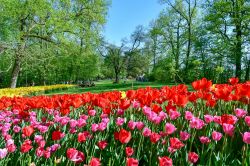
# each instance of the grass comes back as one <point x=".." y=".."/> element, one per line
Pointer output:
<point x="107" y="85"/>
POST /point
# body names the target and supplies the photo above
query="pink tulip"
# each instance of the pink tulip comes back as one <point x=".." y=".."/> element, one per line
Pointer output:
<point x="188" y="115"/>
<point x="171" y="150"/>
<point x="92" y="112"/>
<point x="174" y="114"/>
<point x="7" y="137"/>
<point x="15" y="121"/>
<point x="146" y="110"/>
<point x="120" y="112"/>
<point x="102" y="126"/>
<point x="217" y="119"/>
<point x="184" y="135"/>
<point x="135" y="104"/>
<point x="3" y="153"/>
<point x="38" y="138"/>
<point x="228" y="129"/>
<point x="11" y="148"/>
<point x="157" y="120"/>
<point x="41" y="143"/>
<point x="39" y="152"/>
<point x="140" y="125"/>
<point x="152" y="116"/>
<point x="105" y="120"/>
<point x="72" y="130"/>
<point x="119" y="121"/>
<point x="146" y="132"/>
<point x="94" y="127"/>
<point x="163" y="115"/>
<point x="6" y="127"/>
<point x="42" y="129"/>
<point x="208" y="118"/>
<point x="9" y="142"/>
<point x="55" y="147"/>
<point x="204" y="140"/>
<point x="72" y="123"/>
<point x="81" y="123"/>
<point x="240" y="113"/>
<point x="196" y="123"/>
<point x="64" y="121"/>
<point x="75" y="155"/>
<point x="47" y="153"/>
<point x="170" y="128"/>
<point x="16" y="129"/>
<point x="247" y="120"/>
<point x="246" y="137"/>
<point x="84" y="117"/>
<point x="216" y="135"/>
<point x="131" y="125"/>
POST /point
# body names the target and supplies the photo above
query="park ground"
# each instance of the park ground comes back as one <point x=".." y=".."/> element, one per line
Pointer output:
<point x="108" y="85"/>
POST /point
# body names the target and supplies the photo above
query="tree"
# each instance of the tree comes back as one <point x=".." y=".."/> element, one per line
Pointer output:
<point x="187" y="10"/>
<point x="230" y="20"/>
<point x="45" y="24"/>
<point x="115" y="58"/>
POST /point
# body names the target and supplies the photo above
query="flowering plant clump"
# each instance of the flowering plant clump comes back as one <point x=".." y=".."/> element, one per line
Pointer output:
<point x="24" y="91"/>
<point x="167" y="126"/>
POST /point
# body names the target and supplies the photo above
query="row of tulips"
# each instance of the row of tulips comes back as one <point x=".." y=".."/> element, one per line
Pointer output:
<point x="24" y="91"/>
<point x="167" y="126"/>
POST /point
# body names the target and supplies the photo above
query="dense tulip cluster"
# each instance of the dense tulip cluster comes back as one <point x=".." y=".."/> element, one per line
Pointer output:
<point x="24" y="91"/>
<point x="167" y="126"/>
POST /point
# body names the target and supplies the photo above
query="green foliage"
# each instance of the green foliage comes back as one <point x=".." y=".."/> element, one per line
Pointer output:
<point x="53" y="41"/>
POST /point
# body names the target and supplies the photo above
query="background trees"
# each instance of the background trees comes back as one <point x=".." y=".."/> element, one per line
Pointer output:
<point x="44" y="33"/>
<point x="48" y="42"/>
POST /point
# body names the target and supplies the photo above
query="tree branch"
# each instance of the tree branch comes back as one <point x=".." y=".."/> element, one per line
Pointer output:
<point x="46" y="38"/>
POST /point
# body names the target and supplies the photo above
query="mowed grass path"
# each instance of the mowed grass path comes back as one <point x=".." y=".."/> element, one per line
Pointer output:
<point x="107" y="85"/>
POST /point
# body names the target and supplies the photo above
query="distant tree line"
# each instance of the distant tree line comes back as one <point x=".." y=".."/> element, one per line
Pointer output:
<point x="50" y="42"/>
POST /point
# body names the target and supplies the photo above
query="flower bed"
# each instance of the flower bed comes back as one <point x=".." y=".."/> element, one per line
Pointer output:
<point x="24" y="91"/>
<point x="167" y="126"/>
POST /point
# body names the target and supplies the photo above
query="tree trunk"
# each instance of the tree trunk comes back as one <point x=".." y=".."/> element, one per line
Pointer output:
<point x="188" y="46"/>
<point x="16" y="70"/>
<point x="154" y="51"/>
<point x="117" y="80"/>
<point x="18" y="57"/>
<point x="177" y="48"/>
<point x="238" y="47"/>
<point x="247" y="71"/>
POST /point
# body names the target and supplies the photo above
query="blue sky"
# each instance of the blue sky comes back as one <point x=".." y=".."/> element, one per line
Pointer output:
<point x="125" y="15"/>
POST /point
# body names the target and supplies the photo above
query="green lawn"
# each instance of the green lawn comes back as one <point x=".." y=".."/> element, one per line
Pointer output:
<point x="107" y="85"/>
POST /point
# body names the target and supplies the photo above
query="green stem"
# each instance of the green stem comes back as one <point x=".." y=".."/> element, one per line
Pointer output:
<point x="150" y="157"/>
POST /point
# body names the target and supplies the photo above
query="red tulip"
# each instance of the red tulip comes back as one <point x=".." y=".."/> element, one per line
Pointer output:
<point x="132" y="162"/>
<point x="175" y="143"/>
<point x="95" y="162"/>
<point x="154" y="137"/>
<point x="129" y="151"/>
<point x="156" y="108"/>
<point x="28" y="131"/>
<point x="165" y="161"/>
<point x="57" y="135"/>
<point x="124" y="136"/>
<point x="81" y="137"/>
<point x="102" y="144"/>
<point x="233" y="80"/>
<point x="75" y="155"/>
<point x="116" y="135"/>
<point x="193" y="157"/>
<point x="26" y="146"/>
